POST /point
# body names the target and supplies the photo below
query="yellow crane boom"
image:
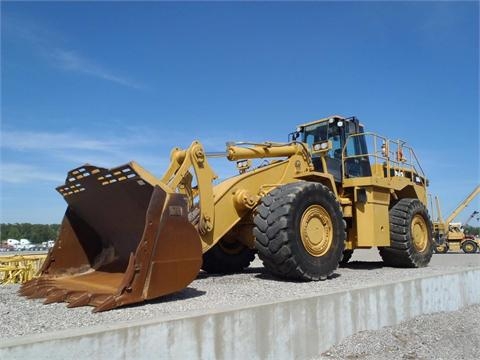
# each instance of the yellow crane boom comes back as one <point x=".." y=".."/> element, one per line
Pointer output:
<point x="461" y="206"/>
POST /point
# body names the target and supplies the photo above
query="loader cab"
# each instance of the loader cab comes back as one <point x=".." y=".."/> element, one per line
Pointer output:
<point x="337" y="130"/>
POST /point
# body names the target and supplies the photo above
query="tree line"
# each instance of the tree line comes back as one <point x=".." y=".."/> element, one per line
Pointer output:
<point x="472" y="230"/>
<point x="36" y="233"/>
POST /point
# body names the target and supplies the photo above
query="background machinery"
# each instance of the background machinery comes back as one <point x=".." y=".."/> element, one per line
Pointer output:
<point x="474" y="214"/>
<point x="128" y="236"/>
<point x="450" y="235"/>
<point x="18" y="269"/>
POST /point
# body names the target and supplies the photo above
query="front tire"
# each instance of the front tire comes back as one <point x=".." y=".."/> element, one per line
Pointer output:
<point x="299" y="231"/>
<point x="227" y="257"/>
<point x="411" y="243"/>
<point x="441" y="249"/>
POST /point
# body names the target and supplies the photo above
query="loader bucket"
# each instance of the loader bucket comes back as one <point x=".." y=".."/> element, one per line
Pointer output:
<point x="124" y="238"/>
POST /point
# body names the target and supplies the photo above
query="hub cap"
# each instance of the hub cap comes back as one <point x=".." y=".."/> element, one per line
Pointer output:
<point x="419" y="233"/>
<point x="469" y="247"/>
<point x="316" y="230"/>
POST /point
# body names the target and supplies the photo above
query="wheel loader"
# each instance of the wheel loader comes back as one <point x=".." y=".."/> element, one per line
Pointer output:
<point x="128" y="236"/>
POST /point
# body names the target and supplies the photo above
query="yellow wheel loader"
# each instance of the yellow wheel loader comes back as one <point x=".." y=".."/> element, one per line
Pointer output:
<point x="128" y="236"/>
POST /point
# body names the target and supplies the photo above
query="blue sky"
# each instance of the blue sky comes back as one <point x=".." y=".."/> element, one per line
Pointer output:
<point x="107" y="83"/>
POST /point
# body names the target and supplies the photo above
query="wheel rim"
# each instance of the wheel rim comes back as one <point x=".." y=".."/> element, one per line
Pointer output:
<point x="419" y="233"/>
<point x="441" y="248"/>
<point x="469" y="247"/>
<point x="316" y="230"/>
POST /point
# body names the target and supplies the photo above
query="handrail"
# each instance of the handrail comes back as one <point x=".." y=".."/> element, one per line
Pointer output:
<point x="392" y="154"/>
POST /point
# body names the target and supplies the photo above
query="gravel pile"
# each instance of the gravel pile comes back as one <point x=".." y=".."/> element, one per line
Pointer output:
<point x="21" y="316"/>
<point x="448" y="336"/>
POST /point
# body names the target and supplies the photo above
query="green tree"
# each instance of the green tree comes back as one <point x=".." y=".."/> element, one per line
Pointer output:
<point x="472" y="230"/>
<point x="36" y="233"/>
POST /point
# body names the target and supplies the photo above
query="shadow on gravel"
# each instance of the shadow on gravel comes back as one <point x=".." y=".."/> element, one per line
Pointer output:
<point x="267" y="276"/>
<point x="255" y="270"/>
<point x="187" y="293"/>
<point x="251" y="270"/>
<point x="363" y="265"/>
<point x="259" y="272"/>
<point x="456" y="253"/>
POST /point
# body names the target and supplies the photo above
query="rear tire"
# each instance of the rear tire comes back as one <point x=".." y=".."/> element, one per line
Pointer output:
<point x="411" y="243"/>
<point x="469" y="247"/>
<point x="299" y="231"/>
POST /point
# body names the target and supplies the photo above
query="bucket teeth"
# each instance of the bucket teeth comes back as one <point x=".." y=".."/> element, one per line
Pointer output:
<point x="25" y="291"/>
<point x="41" y="292"/>
<point x="36" y="288"/>
<point x="28" y="288"/>
<point x="82" y="300"/>
<point x="107" y="304"/>
<point x="56" y="296"/>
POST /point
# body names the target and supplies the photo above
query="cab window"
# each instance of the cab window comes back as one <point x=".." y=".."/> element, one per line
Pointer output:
<point x="315" y="133"/>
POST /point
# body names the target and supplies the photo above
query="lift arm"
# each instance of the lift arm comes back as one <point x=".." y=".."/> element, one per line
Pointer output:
<point x="189" y="173"/>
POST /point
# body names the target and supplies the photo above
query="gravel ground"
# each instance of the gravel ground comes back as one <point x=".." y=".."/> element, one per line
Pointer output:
<point x="21" y="316"/>
<point x="448" y="336"/>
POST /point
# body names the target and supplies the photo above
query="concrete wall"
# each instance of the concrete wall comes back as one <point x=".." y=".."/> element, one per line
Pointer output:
<point x="295" y="329"/>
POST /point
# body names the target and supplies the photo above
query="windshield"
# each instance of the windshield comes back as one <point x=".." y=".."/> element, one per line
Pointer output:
<point x="315" y="133"/>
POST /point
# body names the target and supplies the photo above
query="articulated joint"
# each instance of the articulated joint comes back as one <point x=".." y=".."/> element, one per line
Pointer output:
<point x="198" y="154"/>
<point x="205" y="226"/>
<point x="244" y="199"/>
<point x="178" y="155"/>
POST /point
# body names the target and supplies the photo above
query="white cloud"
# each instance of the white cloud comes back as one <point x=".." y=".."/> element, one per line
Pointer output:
<point x="69" y="150"/>
<point x="22" y="173"/>
<point x="73" y="61"/>
<point x="154" y="164"/>
<point x="60" y="151"/>
<point x="25" y="140"/>
<point x="117" y="142"/>
<point x="45" y="42"/>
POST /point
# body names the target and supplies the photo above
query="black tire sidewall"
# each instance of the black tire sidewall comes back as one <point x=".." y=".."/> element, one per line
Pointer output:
<point x="402" y="251"/>
<point x="444" y="251"/>
<point x="420" y="257"/>
<point x="216" y="260"/>
<point x="464" y="245"/>
<point x="316" y="195"/>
